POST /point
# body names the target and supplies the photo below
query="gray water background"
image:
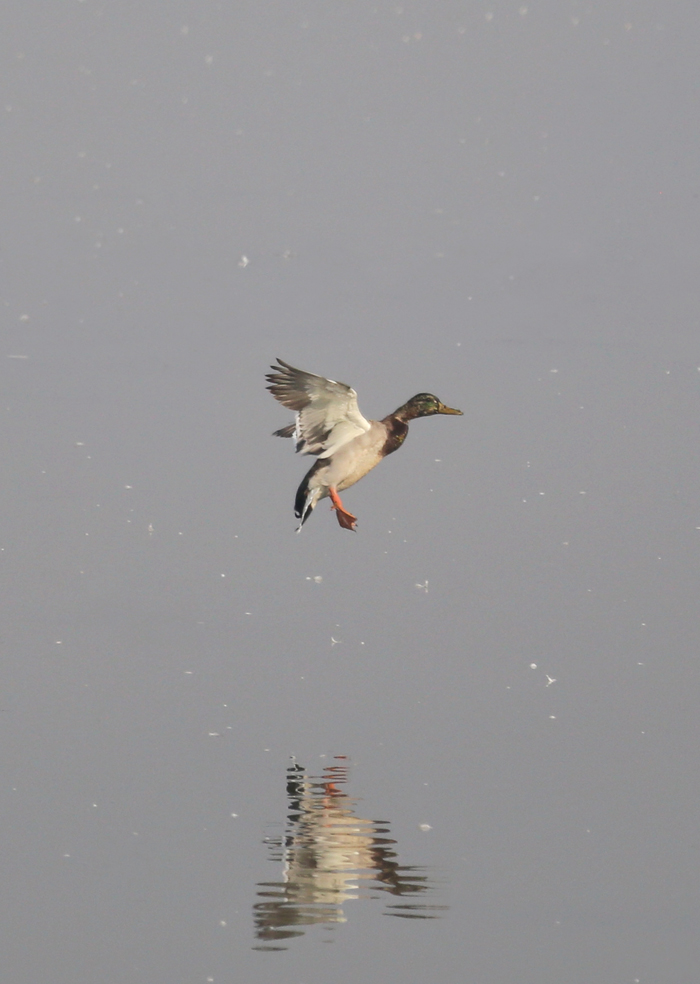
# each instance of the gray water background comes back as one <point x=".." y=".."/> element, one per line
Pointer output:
<point x="496" y="202"/>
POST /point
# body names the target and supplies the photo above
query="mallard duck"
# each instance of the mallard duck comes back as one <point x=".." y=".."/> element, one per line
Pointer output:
<point x="329" y="424"/>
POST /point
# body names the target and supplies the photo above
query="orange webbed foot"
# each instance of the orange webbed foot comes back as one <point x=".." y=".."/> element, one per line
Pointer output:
<point x="345" y="519"/>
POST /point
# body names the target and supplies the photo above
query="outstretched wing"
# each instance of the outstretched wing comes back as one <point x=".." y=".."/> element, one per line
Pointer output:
<point x="327" y="415"/>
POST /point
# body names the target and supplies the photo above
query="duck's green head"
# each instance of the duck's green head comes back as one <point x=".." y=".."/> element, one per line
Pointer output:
<point x="423" y="405"/>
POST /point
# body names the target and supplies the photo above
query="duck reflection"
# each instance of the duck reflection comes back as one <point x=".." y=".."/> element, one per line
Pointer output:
<point x="329" y="856"/>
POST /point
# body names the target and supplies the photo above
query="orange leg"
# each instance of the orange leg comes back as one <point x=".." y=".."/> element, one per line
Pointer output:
<point x="346" y="519"/>
<point x="331" y="789"/>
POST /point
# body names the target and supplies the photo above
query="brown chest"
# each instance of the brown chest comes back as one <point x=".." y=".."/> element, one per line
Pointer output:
<point x="396" y="435"/>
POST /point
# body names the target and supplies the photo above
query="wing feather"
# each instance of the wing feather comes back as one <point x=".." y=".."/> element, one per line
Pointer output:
<point x="327" y="415"/>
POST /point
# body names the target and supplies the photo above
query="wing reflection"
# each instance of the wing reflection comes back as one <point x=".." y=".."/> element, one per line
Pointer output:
<point x="329" y="856"/>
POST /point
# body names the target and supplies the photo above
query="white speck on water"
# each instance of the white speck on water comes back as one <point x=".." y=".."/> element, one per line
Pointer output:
<point x="550" y="680"/>
<point x="234" y="814"/>
<point x="552" y="717"/>
<point x="243" y="262"/>
<point x="335" y="642"/>
<point x="424" y="826"/>
<point x="533" y="666"/>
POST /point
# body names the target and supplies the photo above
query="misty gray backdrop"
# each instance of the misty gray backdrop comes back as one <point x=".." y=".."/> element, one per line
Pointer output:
<point x="497" y="202"/>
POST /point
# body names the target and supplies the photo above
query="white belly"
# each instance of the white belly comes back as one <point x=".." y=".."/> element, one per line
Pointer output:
<point x="352" y="462"/>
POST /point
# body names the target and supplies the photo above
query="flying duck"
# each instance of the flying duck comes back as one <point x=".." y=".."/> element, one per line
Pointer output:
<point x="329" y="425"/>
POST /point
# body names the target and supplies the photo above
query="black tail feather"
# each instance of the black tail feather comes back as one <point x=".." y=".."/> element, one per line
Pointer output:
<point x="300" y="500"/>
<point x="287" y="431"/>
